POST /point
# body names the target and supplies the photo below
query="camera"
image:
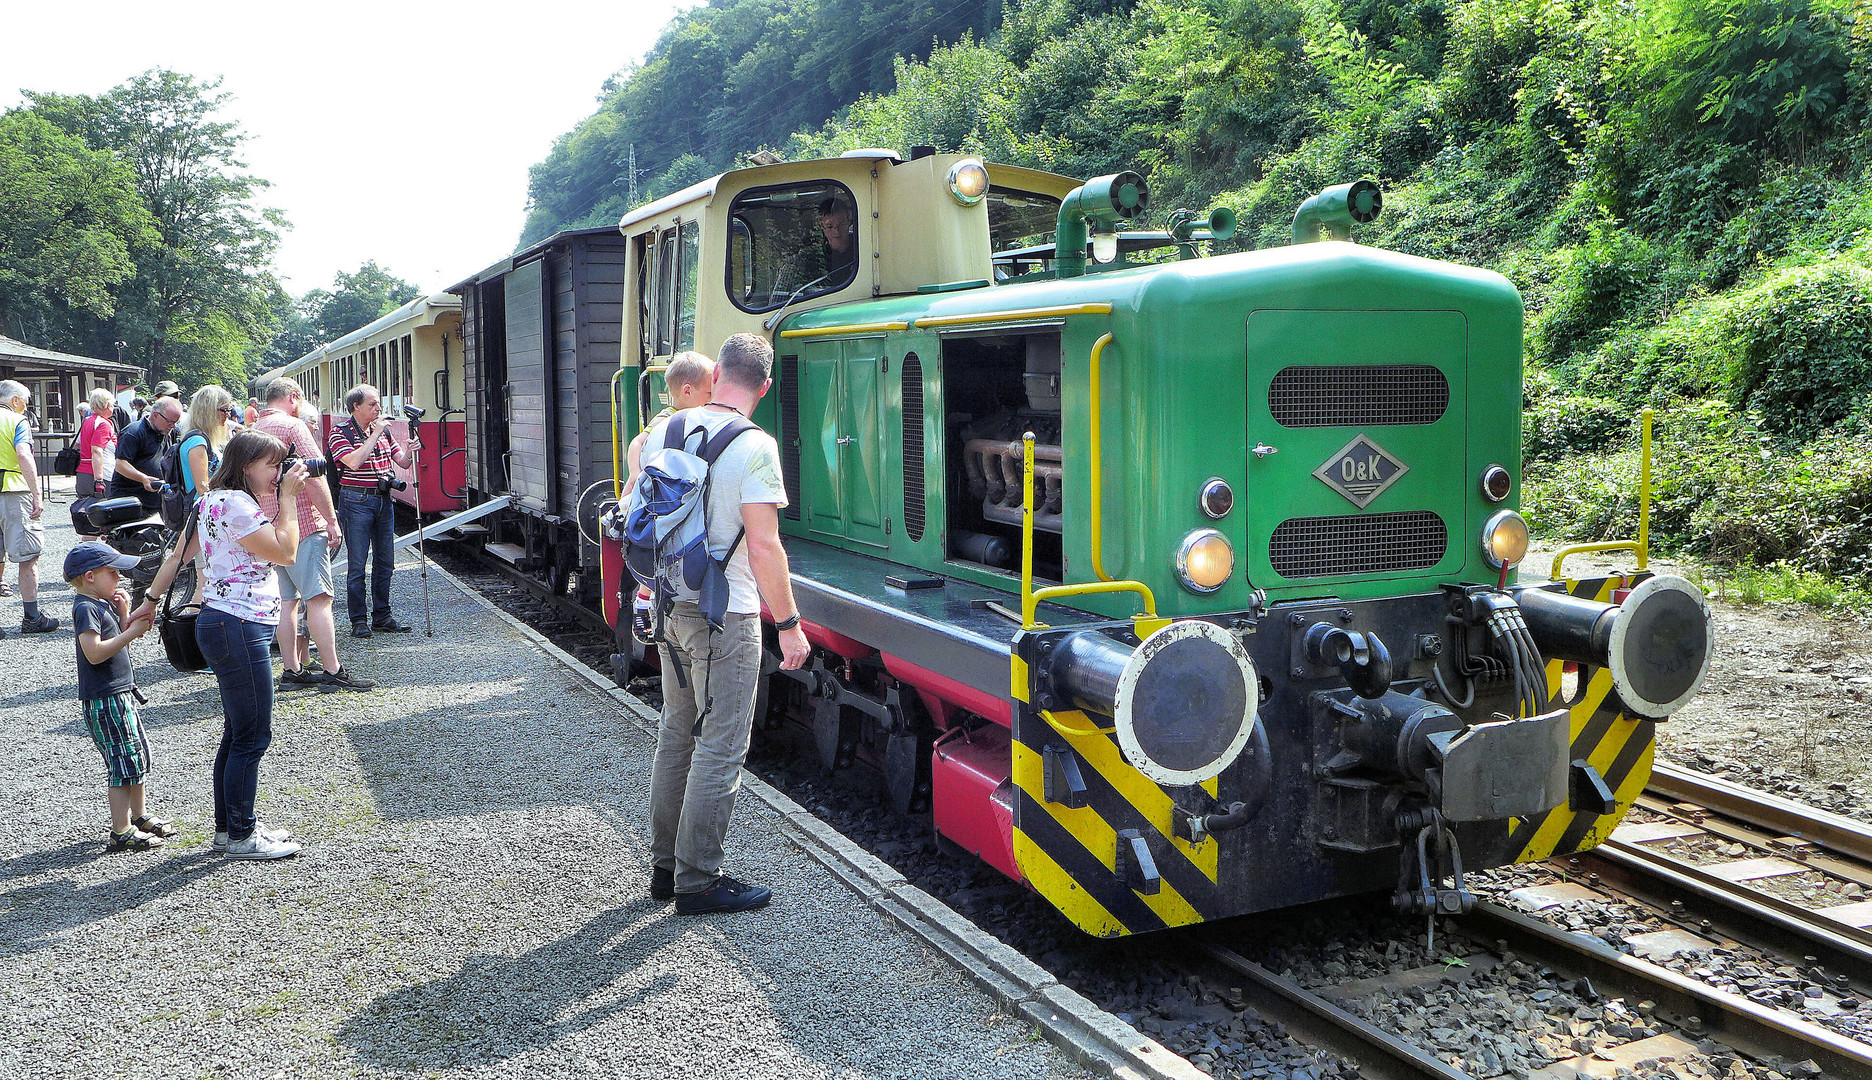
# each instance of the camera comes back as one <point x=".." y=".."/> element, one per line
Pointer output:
<point x="315" y="467"/>
<point x="413" y="414"/>
<point x="387" y="484"/>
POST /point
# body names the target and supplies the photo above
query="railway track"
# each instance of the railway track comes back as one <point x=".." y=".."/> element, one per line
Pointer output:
<point x="1517" y="993"/>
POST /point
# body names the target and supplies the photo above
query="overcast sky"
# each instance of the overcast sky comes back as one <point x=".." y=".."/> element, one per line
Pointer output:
<point x="391" y="131"/>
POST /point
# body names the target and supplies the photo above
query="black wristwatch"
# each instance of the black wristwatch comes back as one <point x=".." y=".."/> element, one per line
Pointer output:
<point x="788" y="624"/>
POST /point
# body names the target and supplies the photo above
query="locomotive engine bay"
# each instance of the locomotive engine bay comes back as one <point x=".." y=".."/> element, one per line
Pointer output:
<point x="997" y="388"/>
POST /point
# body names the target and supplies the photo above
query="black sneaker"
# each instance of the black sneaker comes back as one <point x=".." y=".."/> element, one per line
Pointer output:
<point x="344" y="680"/>
<point x="388" y="625"/>
<point x="360" y="629"/>
<point x="725" y="895"/>
<point x="303" y="679"/>
<point x="39" y="624"/>
<point x="662" y="884"/>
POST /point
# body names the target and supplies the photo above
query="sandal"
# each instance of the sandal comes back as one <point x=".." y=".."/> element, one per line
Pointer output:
<point x="134" y="840"/>
<point x="153" y="825"/>
<point x="5" y="589"/>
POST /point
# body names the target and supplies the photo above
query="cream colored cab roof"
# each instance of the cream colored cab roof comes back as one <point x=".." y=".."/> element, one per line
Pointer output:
<point x="911" y="232"/>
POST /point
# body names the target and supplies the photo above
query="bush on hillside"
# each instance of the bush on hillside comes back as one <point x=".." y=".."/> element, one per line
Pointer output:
<point x="1804" y="348"/>
<point x="1721" y="491"/>
<point x="1555" y="427"/>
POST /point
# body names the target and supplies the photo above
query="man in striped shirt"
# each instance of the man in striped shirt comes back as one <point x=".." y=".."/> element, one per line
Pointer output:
<point x="365" y="449"/>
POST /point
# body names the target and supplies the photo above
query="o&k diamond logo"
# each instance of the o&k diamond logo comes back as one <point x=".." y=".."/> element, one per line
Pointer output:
<point x="1361" y="471"/>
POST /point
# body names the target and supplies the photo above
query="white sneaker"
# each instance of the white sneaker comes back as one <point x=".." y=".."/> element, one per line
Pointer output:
<point x="278" y="836"/>
<point x="260" y="847"/>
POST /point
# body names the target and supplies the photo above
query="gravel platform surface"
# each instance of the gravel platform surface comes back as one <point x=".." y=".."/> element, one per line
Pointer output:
<point x="471" y="899"/>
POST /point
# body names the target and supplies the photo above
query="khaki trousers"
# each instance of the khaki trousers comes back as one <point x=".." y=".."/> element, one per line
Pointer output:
<point x="697" y="773"/>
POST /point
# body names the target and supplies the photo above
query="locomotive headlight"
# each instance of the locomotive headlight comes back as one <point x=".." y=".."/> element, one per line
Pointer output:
<point x="1505" y="539"/>
<point x="1104" y="246"/>
<point x="968" y="181"/>
<point x="1495" y="483"/>
<point x="1205" y="560"/>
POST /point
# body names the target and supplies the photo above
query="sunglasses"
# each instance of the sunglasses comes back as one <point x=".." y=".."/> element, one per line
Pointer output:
<point x="227" y="410"/>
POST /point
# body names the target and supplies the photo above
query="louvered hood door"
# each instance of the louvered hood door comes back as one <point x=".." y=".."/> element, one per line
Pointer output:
<point x="1360" y="418"/>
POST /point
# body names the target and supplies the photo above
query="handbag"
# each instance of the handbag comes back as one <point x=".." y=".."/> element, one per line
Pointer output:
<point x="65" y="462"/>
<point x="176" y="623"/>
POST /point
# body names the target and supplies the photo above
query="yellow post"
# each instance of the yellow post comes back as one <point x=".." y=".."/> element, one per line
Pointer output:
<point x="1644" y="492"/>
<point x="1027" y="467"/>
<point x="1098" y="462"/>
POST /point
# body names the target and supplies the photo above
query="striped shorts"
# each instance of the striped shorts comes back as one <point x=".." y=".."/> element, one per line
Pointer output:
<point x="119" y="737"/>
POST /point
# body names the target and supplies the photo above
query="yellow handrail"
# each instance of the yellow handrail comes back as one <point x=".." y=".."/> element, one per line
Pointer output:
<point x="1030" y="597"/>
<point x="1098" y="463"/>
<point x="1641" y="546"/>
<point x="1014" y="315"/>
<point x="617" y="438"/>
<point x="849" y="330"/>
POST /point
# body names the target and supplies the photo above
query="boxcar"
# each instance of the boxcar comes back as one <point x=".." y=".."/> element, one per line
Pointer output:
<point x="540" y="333"/>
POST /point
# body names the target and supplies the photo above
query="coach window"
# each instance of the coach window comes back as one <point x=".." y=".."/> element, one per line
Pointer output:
<point x="409" y="371"/>
<point x="791" y="242"/>
<point x="663" y="341"/>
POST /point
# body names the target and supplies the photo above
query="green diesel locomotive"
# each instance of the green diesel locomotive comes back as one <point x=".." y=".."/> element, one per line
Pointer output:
<point x="1174" y="586"/>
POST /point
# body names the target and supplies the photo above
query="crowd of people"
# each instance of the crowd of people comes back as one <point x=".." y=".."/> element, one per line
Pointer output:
<point x="260" y="533"/>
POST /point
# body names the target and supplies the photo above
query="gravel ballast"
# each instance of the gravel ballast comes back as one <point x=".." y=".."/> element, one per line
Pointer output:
<point x="471" y="899"/>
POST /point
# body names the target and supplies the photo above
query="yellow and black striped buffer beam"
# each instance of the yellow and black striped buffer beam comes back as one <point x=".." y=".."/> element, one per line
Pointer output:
<point x="1618" y="746"/>
<point x="1071" y="854"/>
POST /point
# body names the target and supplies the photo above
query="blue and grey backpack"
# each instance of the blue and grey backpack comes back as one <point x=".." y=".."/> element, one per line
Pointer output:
<point x="666" y="520"/>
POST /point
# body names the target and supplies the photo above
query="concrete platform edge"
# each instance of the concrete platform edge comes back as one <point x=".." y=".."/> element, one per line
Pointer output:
<point x="1091" y="1035"/>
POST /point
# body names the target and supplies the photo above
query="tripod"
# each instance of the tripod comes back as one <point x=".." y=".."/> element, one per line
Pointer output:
<point x="422" y="557"/>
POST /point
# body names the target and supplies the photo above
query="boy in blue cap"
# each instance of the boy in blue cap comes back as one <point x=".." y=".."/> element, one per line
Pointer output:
<point x="107" y="689"/>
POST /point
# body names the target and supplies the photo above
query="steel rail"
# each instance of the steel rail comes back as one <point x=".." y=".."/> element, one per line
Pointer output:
<point x="1751" y="1028"/>
<point x="1318" y="1022"/>
<point x="1829" y="830"/>
<point x="1751" y="916"/>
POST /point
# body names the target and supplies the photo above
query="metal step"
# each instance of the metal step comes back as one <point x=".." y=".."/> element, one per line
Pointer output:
<point x="513" y="553"/>
<point x="453" y="521"/>
<point x="470" y="529"/>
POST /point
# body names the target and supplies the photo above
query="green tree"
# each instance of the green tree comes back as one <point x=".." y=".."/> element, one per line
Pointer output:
<point x="69" y="218"/>
<point x="197" y="310"/>
<point x="354" y="300"/>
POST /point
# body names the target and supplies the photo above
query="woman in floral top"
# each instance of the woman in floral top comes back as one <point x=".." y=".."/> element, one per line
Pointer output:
<point x="240" y="547"/>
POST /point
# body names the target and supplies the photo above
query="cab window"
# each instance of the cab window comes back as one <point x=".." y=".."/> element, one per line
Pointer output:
<point x="1018" y="219"/>
<point x="666" y="284"/>
<point x="791" y="242"/>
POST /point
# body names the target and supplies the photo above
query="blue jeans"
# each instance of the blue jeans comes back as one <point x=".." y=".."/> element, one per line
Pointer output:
<point x="237" y="651"/>
<point x="369" y="522"/>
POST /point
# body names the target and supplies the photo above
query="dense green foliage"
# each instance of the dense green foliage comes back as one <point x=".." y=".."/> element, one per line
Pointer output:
<point x="194" y="306"/>
<point x="723" y="80"/>
<point x="130" y="217"/>
<point x="1681" y="189"/>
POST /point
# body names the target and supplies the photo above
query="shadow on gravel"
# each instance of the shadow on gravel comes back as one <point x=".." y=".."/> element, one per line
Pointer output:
<point x="498" y="1007"/>
<point x="34" y="916"/>
<point x="516" y="753"/>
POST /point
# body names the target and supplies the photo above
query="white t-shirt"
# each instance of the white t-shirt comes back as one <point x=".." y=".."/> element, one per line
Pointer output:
<point x="748" y="471"/>
<point x="239" y="582"/>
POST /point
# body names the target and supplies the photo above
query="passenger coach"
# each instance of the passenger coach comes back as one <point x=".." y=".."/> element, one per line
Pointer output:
<point x="413" y="355"/>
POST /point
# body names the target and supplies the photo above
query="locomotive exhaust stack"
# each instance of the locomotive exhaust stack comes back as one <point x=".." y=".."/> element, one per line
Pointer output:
<point x="1656" y="643"/>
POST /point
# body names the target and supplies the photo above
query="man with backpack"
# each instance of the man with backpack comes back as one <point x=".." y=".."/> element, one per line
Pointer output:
<point x="710" y="625"/>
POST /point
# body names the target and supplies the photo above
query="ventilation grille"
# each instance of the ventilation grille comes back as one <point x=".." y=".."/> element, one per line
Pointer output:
<point x="1358" y="544"/>
<point x="913" y="464"/>
<point x="790" y="434"/>
<point x="1367" y="395"/>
